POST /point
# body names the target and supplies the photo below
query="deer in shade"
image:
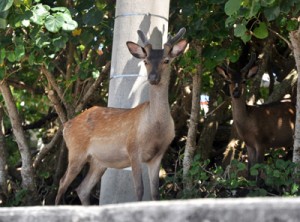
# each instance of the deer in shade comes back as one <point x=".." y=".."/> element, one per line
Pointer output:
<point x="259" y="126"/>
<point x="144" y="132"/>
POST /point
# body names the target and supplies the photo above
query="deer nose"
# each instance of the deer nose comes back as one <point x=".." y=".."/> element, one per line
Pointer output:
<point x="154" y="78"/>
<point x="236" y="93"/>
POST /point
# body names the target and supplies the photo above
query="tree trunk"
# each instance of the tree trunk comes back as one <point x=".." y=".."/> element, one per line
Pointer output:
<point x="215" y="115"/>
<point x="191" y="142"/>
<point x="295" y="40"/>
<point x="3" y="163"/>
<point x="28" y="180"/>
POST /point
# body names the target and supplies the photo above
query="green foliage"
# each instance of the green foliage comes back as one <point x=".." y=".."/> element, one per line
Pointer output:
<point x="18" y="198"/>
<point x="256" y="18"/>
<point x="50" y="33"/>
<point x="276" y="178"/>
<point x="261" y="31"/>
<point x="5" y="5"/>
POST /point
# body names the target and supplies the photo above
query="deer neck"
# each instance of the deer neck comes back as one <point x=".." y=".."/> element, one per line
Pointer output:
<point x="159" y="102"/>
<point x="239" y="110"/>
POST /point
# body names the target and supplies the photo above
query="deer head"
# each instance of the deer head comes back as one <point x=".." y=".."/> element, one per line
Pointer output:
<point x="237" y="79"/>
<point x="157" y="60"/>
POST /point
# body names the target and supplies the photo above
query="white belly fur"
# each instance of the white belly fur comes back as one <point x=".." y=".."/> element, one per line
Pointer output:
<point x="109" y="152"/>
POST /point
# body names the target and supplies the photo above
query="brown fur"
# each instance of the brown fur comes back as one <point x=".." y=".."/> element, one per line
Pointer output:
<point x="118" y="138"/>
<point x="261" y="126"/>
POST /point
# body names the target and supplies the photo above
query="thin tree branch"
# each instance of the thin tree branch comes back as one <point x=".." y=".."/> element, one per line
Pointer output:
<point x="92" y="89"/>
<point x="58" y="107"/>
<point x="284" y="39"/>
<point x="37" y="124"/>
<point x="45" y="149"/>
<point x="58" y="91"/>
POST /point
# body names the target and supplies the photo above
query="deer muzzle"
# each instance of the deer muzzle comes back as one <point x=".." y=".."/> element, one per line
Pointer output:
<point x="153" y="78"/>
<point x="236" y="93"/>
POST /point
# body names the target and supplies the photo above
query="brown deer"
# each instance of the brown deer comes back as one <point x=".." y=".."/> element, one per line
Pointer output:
<point x="145" y="132"/>
<point x="259" y="126"/>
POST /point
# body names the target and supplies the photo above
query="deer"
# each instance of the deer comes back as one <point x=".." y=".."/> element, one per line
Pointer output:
<point x="146" y="131"/>
<point x="259" y="126"/>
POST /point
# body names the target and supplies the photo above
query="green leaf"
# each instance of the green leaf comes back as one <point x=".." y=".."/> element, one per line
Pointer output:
<point x="86" y="37"/>
<point x="31" y="59"/>
<point x="60" y="42"/>
<point x="40" y="12"/>
<point x="19" y="52"/>
<point x="267" y="3"/>
<point x="2" y="72"/>
<point x="3" y="23"/>
<point x="54" y="23"/>
<point x="280" y="164"/>
<point x="69" y="25"/>
<point x="292" y="25"/>
<point x="241" y="166"/>
<point x="276" y="173"/>
<point x="240" y="30"/>
<point x="11" y="56"/>
<point x="261" y="31"/>
<point x="95" y="73"/>
<point x="272" y="13"/>
<point x="232" y="6"/>
<point x="93" y="17"/>
<point x="42" y="40"/>
<point x="254" y="10"/>
<point x="2" y="54"/>
<point x="294" y="188"/>
<point x="5" y="5"/>
<point x="59" y="9"/>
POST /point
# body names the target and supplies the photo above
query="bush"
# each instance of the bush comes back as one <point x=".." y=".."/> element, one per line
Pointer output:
<point x="276" y="177"/>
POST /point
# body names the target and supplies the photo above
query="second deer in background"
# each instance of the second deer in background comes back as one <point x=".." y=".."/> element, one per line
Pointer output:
<point x="259" y="126"/>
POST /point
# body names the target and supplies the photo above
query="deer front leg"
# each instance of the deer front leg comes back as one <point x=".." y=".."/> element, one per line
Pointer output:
<point x="137" y="177"/>
<point x="153" y="171"/>
<point x="260" y="153"/>
<point x="251" y="157"/>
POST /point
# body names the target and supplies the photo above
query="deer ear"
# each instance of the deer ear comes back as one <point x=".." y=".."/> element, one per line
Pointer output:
<point x="178" y="48"/>
<point x="252" y="72"/>
<point x="222" y="72"/>
<point x="136" y="50"/>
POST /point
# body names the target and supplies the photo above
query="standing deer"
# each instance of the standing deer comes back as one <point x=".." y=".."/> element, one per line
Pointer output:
<point x="259" y="126"/>
<point x="145" y="132"/>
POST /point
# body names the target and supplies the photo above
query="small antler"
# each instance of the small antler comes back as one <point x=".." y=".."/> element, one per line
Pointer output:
<point x="250" y="63"/>
<point x="171" y="41"/>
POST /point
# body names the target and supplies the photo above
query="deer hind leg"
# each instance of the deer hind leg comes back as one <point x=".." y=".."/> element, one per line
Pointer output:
<point x="74" y="167"/>
<point x="153" y="171"/>
<point x="93" y="176"/>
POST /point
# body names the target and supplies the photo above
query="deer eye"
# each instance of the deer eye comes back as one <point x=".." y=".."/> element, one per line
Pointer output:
<point x="166" y="61"/>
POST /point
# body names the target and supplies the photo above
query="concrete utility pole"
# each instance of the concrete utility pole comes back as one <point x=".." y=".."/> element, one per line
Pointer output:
<point x="128" y="84"/>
